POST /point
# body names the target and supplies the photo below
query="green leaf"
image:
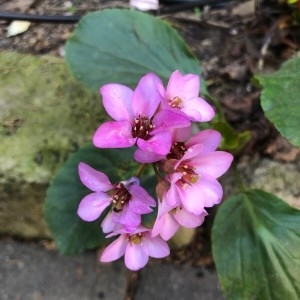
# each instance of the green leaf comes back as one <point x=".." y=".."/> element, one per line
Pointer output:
<point x="232" y="140"/>
<point x="70" y="233"/>
<point x="119" y="45"/>
<point x="256" y="242"/>
<point x="280" y="99"/>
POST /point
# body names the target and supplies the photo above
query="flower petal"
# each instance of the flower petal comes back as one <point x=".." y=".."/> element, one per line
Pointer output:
<point x="122" y="230"/>
<point x="114" y="135"/>
<point x="182" y="134"/>
<point x="108" y="225"/>
<point x="191" y="153"/>
<point x="91" y="206"/>
<point x="93" y="179"/>
<point x="198" y="110"/>
<point x="135" y="256"/>
<point x="191" y="200"/>
<point x="213" y="164"/>
<point x="209" y="138"/>
<point x="164" y="208"/>
<point x="206" y="192"/>
<point x="147" y="157"/>
<point x="159" y="143"/>
<point x="183" y="86"/>
<point x="187" y="219"/>
<point x="115" y="250"/>
<point x="117" y="100"/>
<point x="156" y="247"/>
<point x="146" y="96"/>
<point x="167" y="119"/>
<point x="127" y="218"/>
<point x="172" y="197"/>
<point x="165" y="226"/>
<point x="139" y="194"/>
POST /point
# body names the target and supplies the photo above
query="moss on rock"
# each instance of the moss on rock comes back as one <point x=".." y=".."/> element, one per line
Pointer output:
<point x="45" y="114"/>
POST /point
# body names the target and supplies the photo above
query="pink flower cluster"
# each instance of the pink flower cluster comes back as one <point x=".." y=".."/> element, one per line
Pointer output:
<point x="158" y="121"/>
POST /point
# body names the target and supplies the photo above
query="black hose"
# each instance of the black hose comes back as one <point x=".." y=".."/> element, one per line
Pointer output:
<point x="10" y="16"/>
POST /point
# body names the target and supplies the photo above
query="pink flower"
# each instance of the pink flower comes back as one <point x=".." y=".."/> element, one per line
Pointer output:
<point x="128" y="200"/>
<point x="136" y="118"/>
<point x="196" y="167"/>
<point x="109" y="225"/>
<point x="179" y="135"/>
<point x="182" y="96"/>
<point x="169" y="219"/>
<point x="137" y="248"/>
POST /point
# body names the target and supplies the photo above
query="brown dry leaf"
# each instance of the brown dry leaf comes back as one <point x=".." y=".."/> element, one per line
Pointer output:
<point x="244" y="9"/>
<point x="48" y="245"/>
<point x="280" y="149"/>
<point x="235" y="71"/>
<point x="239" y="107"/>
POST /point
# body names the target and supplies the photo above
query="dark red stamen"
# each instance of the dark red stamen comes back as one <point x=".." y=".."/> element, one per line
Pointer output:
<point x="120" y="197"/>
<point x="176" y="102"/>
<point x="177" y="151"/>
<point x="142" y="127"/>
<point x="189" y="176"/>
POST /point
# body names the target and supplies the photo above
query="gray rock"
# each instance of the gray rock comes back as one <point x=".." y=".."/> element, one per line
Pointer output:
<point x="30" y="272"/>
<point x="168" y="281"/>
<point x="278" y="178"/>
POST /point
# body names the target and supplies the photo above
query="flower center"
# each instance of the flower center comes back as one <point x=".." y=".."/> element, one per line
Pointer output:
<point x="176" y="102"/>
<point x="189" y="176"/>
<point x="142" y="127"/>
<point x="120" y="197"/>
<point x="175" y="209"/>
<point x="135" y="238"/>
<point x="177" y="151"/>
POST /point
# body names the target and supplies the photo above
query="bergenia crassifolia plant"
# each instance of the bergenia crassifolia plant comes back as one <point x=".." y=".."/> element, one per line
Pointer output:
<point x="150" y="171"/>
<point x="159" y="122"/>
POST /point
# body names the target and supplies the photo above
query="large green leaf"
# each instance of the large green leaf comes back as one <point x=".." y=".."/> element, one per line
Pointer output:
<point x="280" y="99"/>
<point x="256" y="247"/>
<point x="71" y="234"/>
<point x="119" y="45"/>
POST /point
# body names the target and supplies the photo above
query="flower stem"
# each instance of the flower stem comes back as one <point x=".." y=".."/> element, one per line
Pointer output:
<point x="140" y="170"/>
<point x="158" y="176"/>
<point x="132" y="284"/>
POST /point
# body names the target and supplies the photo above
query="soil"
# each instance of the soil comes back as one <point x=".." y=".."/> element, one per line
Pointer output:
<point x="229" y="42"/>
